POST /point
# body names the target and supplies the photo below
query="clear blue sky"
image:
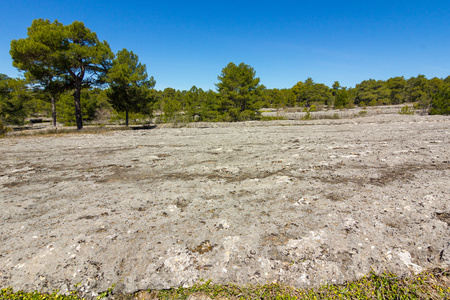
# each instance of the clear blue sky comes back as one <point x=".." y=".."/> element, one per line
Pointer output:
<point x="186" y="43"/>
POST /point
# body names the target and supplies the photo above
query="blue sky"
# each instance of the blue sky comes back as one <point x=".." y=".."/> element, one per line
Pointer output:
<point x="186" y="43"/>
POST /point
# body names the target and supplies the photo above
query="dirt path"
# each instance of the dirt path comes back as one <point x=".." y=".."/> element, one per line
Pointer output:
<point x="301" y="203"/>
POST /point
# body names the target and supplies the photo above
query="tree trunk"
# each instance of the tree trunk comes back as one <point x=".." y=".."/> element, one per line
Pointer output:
<point x="126" y="118"/>
<point x="78" y="116"/>
<point x="53" y="98"/>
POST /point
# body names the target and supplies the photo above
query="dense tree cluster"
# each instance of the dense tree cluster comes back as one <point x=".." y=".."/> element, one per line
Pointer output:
<point x="71" y="76"/>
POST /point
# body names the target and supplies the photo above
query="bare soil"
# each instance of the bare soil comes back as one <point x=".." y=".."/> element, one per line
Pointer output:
<point x="298" y="202"/>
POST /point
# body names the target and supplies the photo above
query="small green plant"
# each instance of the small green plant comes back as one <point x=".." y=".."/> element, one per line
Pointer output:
<point x="373" y="102"/>
<point x="3" y="129"/>
<point x="373" y="286"/>
<point x="313" y="108"/>
<point x="406" y="110"/>
<point x="106" y="293"/>
<point x="362" y="113"/>
<point x="307" y="116"/>
<point x="336" y="116"/>
<point x="426" y="285"/>
<point x="9" y="294"/>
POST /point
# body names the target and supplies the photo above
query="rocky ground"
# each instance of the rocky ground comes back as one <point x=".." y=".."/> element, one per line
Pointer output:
<point x="298" y="202"/>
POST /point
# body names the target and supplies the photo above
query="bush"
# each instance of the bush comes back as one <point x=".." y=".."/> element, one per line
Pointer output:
<point x="440" y="104"/>
<point x="373" y="102"/>
<point x="406" y="110"/>
<point x="3" y="129"/>
<point x="307" y="116"/>
<point x="362" y="113"/>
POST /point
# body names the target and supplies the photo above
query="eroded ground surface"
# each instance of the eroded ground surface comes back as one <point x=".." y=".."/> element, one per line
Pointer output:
<point x="301" y="203"/>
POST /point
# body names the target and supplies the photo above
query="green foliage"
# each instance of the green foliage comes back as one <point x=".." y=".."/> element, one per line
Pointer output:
<point x="406" y="110"/>
<point x="37" y="57"/>
<point x="14" y="100"/>
<point x="39" y="105"/>
<point x="416" y="90"/>
<point x="72" y="54"/>
<point x="278" y="98"/>
<point x="440" y="104"/>
<point x="9" y="294"/>
<point x="308" y="92"/>
<point x="341" y="97"/>
<point x="106" y="293"/>
<point x="307" y="116"/>
<point x="396" y="86"/>
<point x="362" y="113"/>
<point x="3" y="129"/>
<point x="373" y="102"/>
<point x="374" y="92"/>
<point x="372" y="286"/>
<point x="85" y="59"/>
<point x="57" y="58"/>
<point x="169" y="102"/>
<point x="209" y="106"/>
<point x="172" y="110"/>
<point x="427" y="285"/>
<point x="92" y="101"/>
<point x="129" y="84"/>
<point x="239" y="90"/>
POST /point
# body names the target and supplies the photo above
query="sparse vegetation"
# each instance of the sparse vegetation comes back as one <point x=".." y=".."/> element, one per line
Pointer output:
<point x="3" y="129"/>
<point x="428" y="285"/>
<point x="307" y="116"/>
<point x="267" y="118"/>
<point x="406" y="110"/>
<point x="362" y="113"/>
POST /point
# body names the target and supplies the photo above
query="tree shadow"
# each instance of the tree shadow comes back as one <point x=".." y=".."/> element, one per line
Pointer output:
<point x="143" y="127"/>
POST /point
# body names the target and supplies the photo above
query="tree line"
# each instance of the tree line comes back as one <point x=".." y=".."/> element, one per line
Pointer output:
<point x="72" y="76"/>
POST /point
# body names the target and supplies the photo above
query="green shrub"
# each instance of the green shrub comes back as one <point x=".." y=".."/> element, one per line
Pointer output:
<point x="247" y="115"/>
<point x="362" y="113"/>
<point x="3" y="129"/>
<point x="373" y="102"/>
<point x="440" y="105"/>
<point x="406" y="110"/>
<point x="307" y="116"/>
